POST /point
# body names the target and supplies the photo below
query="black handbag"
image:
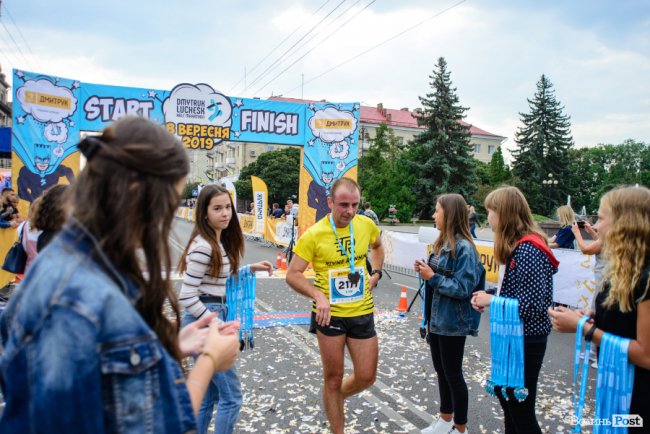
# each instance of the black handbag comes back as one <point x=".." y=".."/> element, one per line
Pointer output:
<point x="16" y="256"/>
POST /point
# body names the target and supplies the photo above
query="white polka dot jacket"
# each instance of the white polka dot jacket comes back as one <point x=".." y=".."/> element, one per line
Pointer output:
<point x="529" y="278"/>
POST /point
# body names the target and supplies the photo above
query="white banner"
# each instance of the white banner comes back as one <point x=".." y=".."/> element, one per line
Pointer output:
<point x="228" y="183"/>
<point x="573" y="284"/>
<point x="259" y="198"/>
<point x="280" y="231"/>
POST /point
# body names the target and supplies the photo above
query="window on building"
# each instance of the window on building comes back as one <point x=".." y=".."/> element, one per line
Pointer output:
<point x="491" y="149"/>
<point x="477" y="148"/>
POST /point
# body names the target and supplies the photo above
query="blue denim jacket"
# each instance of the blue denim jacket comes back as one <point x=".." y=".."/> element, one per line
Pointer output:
<point x="77" y="355"/>
<point x="451" y="289"/>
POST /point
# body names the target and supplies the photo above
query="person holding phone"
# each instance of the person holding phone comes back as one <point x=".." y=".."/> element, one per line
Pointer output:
<point x="86" y="345"/>
<point x="213" y="252"/>
<point x="593" y="248"/>
<point x="452" y="274"/>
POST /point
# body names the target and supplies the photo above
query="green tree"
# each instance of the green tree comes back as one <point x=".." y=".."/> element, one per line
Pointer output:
<point x="498" y="170"/>
<point x="543" y="143"/>
<point x="383" y="178"/>
<point x="482" y="172"/>
<point x="485" y="186"/>
<point x="598" y="169"/>
<point x="441" y="156"/>
<point x="280" y="170"/>
<point x="188" y="189"/>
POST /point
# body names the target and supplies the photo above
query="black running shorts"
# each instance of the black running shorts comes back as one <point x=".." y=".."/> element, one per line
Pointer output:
<point x="357" y="327"/>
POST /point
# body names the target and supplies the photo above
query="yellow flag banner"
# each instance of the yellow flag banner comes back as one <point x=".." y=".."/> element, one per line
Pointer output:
<point x="247" y="223"/>
<point x="8" y="237"/>
<point x="278" y="231"/>
<point x="486" y="253"/>
<point x="260" y="201"/>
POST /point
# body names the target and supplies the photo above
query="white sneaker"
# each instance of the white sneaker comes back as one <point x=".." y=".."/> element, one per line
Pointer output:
<point x="439" y="427"/>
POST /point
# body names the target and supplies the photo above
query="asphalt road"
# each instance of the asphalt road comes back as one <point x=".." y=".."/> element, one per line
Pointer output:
<point x="281" y="377"/>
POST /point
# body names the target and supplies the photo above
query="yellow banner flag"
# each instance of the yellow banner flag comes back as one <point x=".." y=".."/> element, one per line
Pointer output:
<point x="260" y="201"/>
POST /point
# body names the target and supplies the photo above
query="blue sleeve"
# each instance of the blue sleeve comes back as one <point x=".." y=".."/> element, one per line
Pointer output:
<point x="4" y="224"/>
<point x="530" y="282"/>
<point x="467" y="275"/>
<point x="564" y="238"/>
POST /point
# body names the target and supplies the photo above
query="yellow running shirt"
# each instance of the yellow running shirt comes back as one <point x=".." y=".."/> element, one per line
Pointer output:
<point x="318" y="245"/>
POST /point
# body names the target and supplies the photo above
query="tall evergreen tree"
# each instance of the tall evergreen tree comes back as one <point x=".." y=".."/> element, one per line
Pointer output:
<point x="543" y="143"/>
<point x="498" y="171"/>
<point x="441" y="155"/>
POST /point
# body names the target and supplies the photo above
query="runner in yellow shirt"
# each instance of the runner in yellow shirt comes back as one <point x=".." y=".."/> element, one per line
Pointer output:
<point x="342" y="309"/>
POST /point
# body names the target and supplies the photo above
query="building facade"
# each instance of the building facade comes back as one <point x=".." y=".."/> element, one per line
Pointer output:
<point x="405" y="127"/>
<point x="5" y="118"/>
<point x="228" y="158"/>
<point x="5" y="106"/>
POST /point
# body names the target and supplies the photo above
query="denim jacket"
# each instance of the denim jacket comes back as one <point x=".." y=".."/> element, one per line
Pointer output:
<point x="451" y="288"/>
<point x="77" y="355"/>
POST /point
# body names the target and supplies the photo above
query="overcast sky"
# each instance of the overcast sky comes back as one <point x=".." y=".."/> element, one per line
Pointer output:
<point x="595" y="52"/>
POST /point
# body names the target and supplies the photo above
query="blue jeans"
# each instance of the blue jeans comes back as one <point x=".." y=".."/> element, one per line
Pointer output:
<point x="224" y="390"/>
<point x="472" y="229"/>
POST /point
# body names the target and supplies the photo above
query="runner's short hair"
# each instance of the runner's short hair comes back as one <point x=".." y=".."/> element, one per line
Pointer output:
<point x="348" y="183"/>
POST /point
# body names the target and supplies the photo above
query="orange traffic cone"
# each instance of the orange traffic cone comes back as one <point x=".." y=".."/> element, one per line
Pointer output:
<point x="284" y="261"/>
<point x="278" y="260"/>
<point x="403" y="301"/>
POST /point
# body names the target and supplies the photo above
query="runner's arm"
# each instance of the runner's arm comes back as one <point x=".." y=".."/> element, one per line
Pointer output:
<point x="296" y="279"/>
<point x="300" y="284"/>
<point x="376" y="260"/>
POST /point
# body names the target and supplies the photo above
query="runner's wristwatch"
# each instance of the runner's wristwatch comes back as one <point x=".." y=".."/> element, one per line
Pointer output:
<point x="373" y="272"/>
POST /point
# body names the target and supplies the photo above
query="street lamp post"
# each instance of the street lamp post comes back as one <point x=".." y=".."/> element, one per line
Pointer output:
<point x="550" y="182"/>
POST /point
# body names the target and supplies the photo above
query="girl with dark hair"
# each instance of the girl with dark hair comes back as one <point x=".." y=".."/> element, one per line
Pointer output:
<point x="522" y="247"/>
<point x="87" y="347"/>
<point x="212" y="254"/>
<point x="452" y="273"/>
<point x="50" y="215"/>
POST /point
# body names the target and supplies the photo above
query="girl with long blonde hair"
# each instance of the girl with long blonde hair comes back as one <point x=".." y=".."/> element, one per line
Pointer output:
<point x="623" y="304"/>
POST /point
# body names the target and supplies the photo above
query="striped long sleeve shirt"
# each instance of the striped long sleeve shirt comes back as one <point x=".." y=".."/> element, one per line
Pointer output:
<point x="197" y="281"/>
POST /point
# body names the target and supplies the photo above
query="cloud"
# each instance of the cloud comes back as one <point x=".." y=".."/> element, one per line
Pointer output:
<point x="57" y="132"/>
<point x="617" y="127"/>
<point x="496" y="53"/>
<point x="199" y="104"/>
